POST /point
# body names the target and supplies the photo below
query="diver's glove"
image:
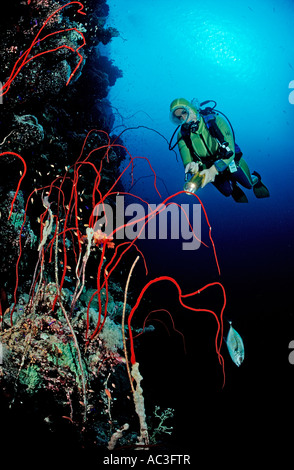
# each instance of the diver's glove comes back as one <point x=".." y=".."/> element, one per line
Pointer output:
<point x="209" y="175"/>
<point x="192" y="167"/>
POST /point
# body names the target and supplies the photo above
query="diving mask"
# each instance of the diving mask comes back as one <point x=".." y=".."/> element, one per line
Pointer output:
<point x="193" y="184"/>
<point x="180" y="115"/>
<point x="186" y="117"/>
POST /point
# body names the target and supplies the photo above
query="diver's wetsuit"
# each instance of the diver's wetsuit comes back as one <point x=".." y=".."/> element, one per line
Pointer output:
<point x="206" y="148"/>
<point x="227" y="183"/>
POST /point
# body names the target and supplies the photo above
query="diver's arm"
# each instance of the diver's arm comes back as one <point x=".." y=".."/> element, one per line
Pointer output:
<point x="223" y="163"/>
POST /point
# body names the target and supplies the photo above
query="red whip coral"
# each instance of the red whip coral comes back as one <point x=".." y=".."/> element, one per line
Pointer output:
<point x="28" y="55"/>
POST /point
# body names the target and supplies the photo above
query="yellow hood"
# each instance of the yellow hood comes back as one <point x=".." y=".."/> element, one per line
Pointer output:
<point x="182" y="103"/>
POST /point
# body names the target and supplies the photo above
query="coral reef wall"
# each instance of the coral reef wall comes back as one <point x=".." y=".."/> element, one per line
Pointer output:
<point x="54" y="93"/>
<point x="69" y="375"/>
<point x="41" y="117"/>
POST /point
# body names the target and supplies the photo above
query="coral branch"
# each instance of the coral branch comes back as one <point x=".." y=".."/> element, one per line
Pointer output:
<point x="123" y="322"/>
<point x="140" y="406"/>
<point x="25" y="59"/>
<point x="116" y="436"/>
<point x="181" y="296"/>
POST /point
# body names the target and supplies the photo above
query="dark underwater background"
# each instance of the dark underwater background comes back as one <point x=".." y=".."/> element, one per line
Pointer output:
<point x="239" y="54"/>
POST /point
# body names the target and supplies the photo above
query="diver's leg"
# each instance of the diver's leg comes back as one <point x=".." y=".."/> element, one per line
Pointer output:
<point x="248" y="180"/>
<point x="259" y="189"/>
<point x="242" y="175"/>
<point x="229" y="188"/>
<point x="223" y="185"/>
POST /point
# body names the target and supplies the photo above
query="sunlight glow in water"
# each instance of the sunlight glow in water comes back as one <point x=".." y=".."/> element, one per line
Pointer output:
<point x="239" y="54"/>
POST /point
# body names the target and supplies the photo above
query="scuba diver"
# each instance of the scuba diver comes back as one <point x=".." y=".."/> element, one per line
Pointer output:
<point x="206" y="142"/>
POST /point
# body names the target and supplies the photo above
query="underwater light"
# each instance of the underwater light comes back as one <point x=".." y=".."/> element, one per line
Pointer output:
<point x="194" y="183"/>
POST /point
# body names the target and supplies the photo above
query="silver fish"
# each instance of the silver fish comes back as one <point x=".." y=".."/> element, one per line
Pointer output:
<point x="235" y="346"/>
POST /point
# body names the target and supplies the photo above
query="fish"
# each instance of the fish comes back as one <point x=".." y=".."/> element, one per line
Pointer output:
<point x="235" y="346"/>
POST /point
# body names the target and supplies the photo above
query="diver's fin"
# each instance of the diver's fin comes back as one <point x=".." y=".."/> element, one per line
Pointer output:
<point x="259" y="189"/>
<point x="238" y="195"/>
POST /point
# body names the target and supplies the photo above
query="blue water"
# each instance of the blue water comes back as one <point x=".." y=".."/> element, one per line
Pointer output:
<point x="241" y="55"/>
